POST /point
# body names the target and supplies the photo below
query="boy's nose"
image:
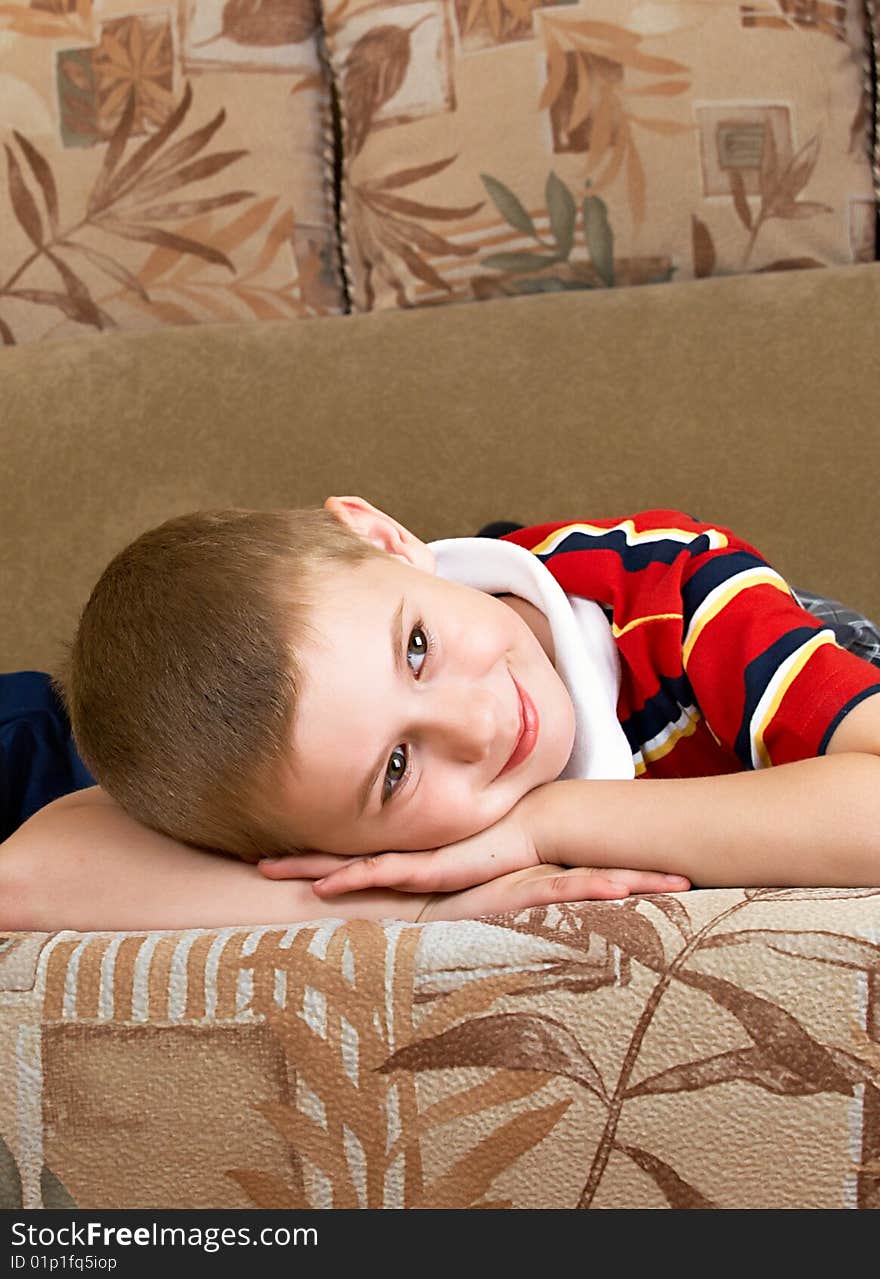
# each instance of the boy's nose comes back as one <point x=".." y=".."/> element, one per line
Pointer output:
<point x="467" y="721"/>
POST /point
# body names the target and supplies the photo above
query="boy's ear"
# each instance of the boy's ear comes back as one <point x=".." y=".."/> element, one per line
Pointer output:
<point x="382" y="530"/>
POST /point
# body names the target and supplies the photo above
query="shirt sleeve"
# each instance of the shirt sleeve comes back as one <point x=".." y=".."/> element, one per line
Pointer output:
<point x="770" y="678"/>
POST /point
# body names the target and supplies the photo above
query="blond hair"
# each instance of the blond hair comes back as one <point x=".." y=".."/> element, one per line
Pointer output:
<point x="182" y="680"/>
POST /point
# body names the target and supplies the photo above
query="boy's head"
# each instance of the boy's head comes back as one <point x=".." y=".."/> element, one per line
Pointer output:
<point x="238" y="677"/>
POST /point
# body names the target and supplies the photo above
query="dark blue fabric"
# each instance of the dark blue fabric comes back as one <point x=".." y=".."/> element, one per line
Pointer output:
<point x="38" y="758"/>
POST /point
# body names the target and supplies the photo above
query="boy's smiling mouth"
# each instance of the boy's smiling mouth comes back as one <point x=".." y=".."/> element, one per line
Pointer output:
<point x="528" y="732"/>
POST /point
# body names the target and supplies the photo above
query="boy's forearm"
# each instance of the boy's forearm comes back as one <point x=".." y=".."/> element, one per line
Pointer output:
<point x="90" y="867"/>
<point x="814" y="823"/>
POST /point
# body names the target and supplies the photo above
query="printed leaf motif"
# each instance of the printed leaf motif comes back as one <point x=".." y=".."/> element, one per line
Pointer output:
<point x="740" y="203"/>
<point x="702" y="247"/>
<point x="268" y="23"/>
<point x="86" y="310"/>
<point x="412" y="208"/>
<point x="503" y="19"/>
<point x="192" y="208"/>
<point x="312" y="1141"/>
<point x="829" y="948"/>
<point x="10" y="1179"/>
<point x="767" y="175"/>
<point x="502" y="1088"/>
<point x="110" y="266"/>
<point x="43" y="173"/>
<point x="146" y="175"/>
<point x="772" y="1029"/>
<point x="53" y="1191"/>
<point x="675" y="912"/>
<point x="599" y="237"/>
<point x="406" y="177"/>
<point x="114" y="151"/>
<point x="204" y="168"/>
<point x="6" y="334"/>
<point x="154" y="235"/>
<point x="749" y="1064"/>
<point x="858" y="1069"/>
<point x="792" y="264"/>
<point x="266" y="1190"/>
<point x="514" y="1041"/>
<point x="508" y="205"/>
<point x="70" y="306"/>
<point x="520" y="261"/>
<point x="377" y="223"/>
<point x="624" y="927"/>
<point x="469" y="1179"/>
<point x="23" y="204"/>
<point x="808" y="894"/>
<point x="677" y="1191"/>
<point x="589" y="66"/>
<point x="181" y="152"/>
<point x="416" y="265"/>
<point x="780" y="188"/>
<point x="375" y="69"/>
<point x="118" y="184"/>
<point x="561" y="207"/>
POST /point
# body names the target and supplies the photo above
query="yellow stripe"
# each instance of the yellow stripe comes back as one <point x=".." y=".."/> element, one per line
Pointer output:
<point x="640" y="621"/>
<point x="659" y="752"/>
<point x="736" y="587"/>
<point x="632" y="537"/>
<point x="797" y="666"/>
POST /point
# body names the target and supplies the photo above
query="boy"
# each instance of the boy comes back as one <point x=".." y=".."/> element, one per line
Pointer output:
<point x="506" y="745"/>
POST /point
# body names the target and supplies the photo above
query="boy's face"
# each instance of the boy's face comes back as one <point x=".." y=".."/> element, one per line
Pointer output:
<point x="415" y="680"/>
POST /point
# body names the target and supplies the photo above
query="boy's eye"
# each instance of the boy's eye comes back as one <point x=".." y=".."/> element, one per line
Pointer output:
<point x="396" y="768"/>
<point x="419" y="645"/>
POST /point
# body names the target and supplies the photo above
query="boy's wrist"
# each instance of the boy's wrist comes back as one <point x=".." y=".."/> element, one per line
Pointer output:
<point x="533" y="811"/>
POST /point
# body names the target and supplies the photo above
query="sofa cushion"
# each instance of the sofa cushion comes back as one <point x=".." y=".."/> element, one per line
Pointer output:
<point x="158" y="173"/>
<point x="507" y="146"/>
<point x="716" y="1048"/>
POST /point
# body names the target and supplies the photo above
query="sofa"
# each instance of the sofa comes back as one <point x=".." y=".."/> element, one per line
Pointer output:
<point x="714" y="1049"/>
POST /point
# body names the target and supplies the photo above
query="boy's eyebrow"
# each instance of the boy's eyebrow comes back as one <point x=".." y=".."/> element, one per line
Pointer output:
<point x="396" y="638"/>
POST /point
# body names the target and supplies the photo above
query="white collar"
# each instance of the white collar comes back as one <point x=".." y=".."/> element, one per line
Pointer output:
<point x="586" y="655"/>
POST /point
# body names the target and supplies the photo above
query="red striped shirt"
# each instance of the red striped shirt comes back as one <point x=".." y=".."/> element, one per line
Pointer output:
<point x="721" y="668"/>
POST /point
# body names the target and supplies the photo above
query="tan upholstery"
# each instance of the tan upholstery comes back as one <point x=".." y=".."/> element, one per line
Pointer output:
<point x="749" y="401"/>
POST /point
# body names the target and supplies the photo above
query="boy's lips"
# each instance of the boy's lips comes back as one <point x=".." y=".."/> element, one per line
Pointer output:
<point x="528" y="734"/>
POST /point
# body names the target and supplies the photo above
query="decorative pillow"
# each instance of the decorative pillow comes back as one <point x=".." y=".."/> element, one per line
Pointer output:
<point x="512" y="146"/>
<point x="163" y="165"/>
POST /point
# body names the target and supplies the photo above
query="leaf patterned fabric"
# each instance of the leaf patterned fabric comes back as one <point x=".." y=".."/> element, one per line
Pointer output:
<point x="719" y="1048"/>
<point x="504" y="147"/>
<point x="162" y="165"/>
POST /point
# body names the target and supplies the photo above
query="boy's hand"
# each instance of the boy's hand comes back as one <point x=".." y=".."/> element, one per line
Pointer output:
<point x="490" y="858"/>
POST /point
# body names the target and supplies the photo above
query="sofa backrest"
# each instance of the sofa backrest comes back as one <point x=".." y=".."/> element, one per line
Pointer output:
<point x="749" y="401"/>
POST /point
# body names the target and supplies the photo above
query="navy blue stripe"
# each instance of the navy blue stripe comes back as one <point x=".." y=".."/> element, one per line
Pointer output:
<point x="632" y="558"/>
<point x="712" y="574"/>
<point x="757" y="676"/>
<point x="661" y="710"/>
<point x="842" y="713"/>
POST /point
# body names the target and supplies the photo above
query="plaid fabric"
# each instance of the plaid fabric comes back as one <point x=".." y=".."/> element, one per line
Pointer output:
<point x="854" y="632"/>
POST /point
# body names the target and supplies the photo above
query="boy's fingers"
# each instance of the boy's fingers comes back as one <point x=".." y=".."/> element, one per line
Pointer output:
<point x="547" y="885"/>
<point x="551" y="885"/>
<point x="410" y="872"/>
<point x="302" y="865"/>
<point x="648" y="881"/>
